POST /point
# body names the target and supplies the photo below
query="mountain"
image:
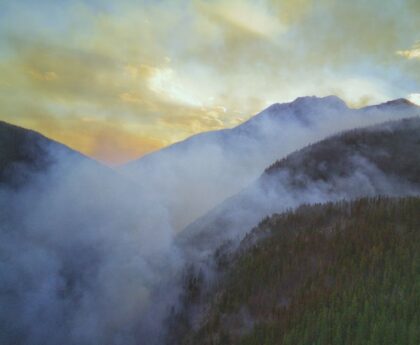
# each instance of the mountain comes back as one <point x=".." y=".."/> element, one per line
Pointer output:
<point x="24" y="153"/>
<point x="380" y="160"/>
<point x="336" y="269"/>
<point x="84" y="251"/>
<point x="197" y="174"/>
<point x="88" y="253"/>
<point x="27" y="156"/>
<point x="337" y="273"/>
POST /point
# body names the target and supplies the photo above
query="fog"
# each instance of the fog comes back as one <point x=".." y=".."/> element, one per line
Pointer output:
<point x="379" y="160"/>
<point x="82" y="258"/>
<point x="382" y="159"/>
<point x="88" y="255"/>
<point x="197" y="174"/>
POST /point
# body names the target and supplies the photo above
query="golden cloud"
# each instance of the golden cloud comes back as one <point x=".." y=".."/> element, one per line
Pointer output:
<point x="146" y="74"/>
<point x="246" y="16"/>
<point x="412" y="53"/>
<point x="45" y="76"/>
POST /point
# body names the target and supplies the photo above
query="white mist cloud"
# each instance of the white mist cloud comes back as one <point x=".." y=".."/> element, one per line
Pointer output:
<point x="412" y="53"/>
<point x="195" y="175"/>
<point x="414" y="98"/>
<point x="361" y="163"/>
<point x="83" y="258"/>
<point x="87" y="255"/>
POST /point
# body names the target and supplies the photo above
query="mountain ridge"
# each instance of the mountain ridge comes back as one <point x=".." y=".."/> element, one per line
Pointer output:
<point x="332" y="100"/>
<point x="219" y="164"/>
<point x="25" y="152"/>
<point x="319" y="171"/>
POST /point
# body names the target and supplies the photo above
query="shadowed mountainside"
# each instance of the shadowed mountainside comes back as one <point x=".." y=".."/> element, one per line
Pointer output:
<point x="83" y="250"/>
<point x="382" y="159"/>
<point x="219" y="164"/>
<point x="24" y="152"/>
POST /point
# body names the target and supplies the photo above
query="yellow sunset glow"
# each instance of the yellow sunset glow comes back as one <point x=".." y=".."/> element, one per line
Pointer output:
<point x="116" y="80"/>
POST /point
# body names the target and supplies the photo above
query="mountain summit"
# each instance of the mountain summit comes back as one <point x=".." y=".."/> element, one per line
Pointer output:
<point x="376" y="160"/>
<point x="201" y="171"/>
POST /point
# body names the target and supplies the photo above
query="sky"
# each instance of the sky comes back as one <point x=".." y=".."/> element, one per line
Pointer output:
<point x="118" y="79"/>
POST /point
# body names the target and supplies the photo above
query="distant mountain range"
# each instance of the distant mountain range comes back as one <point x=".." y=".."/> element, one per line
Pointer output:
<point x="197" y="174"/>
<point x="379" y="160"/>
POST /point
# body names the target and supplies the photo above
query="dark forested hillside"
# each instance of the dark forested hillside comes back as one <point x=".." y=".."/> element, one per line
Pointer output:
<point x="392" y="147"/>
<point x="337" y="273"/>
<point x="379" y="160"/>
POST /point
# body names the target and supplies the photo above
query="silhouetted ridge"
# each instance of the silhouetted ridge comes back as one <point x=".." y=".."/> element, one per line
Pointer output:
<point x="22" y="152"/>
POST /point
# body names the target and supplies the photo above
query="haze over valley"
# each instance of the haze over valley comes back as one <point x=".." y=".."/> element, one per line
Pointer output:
<point x="209" y="172"/>
<point x="98" y="254"/>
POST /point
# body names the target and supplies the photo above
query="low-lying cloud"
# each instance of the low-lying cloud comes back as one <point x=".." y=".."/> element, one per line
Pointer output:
<point x="196" y="175"/>
<point x="87" y="254"/>
<point x="82" y="258"/>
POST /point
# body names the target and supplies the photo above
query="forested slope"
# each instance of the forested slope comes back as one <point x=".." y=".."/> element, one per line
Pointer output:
<point x="337" y="273"/>
<point x="379" y="160"/>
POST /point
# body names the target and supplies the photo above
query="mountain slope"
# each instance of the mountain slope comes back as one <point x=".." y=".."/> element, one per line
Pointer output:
<point x="383" y="159"/>
<point x="84" y="251"/>
<point x="24" y="152"/>
<point x="200" y="172"/>
<point x="338" y="273"/>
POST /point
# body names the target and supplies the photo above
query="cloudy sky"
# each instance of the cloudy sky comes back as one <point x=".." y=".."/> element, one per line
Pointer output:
<point x="118" y="79"/>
